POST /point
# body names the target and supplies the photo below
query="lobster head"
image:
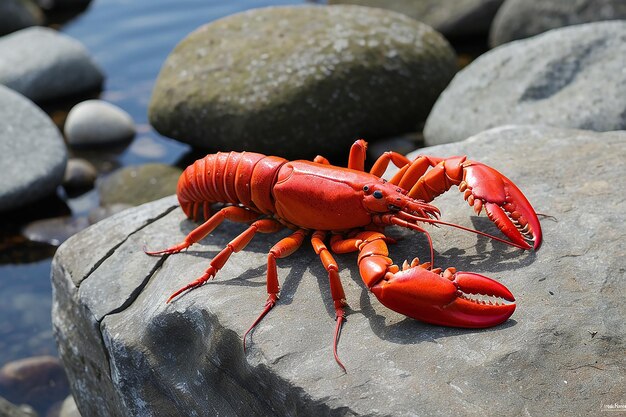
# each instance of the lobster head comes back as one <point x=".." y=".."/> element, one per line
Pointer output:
<point x="386" y="198"/>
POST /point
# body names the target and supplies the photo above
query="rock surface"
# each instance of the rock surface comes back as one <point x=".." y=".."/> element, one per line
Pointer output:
<point x="32" y="152"/>
<point x="128" y="353"/>
<point x="44" y="64"/>
<point x="18" y="14"/>
<point x="453" y="18"/>
<point x="518" y="19"/>
<point x="96" y="123"/>
<point x="300" y="81"/>
<point x="570" y="77"/>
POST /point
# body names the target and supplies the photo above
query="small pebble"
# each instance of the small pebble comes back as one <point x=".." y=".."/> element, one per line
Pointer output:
<point x="80" y="174"/>
<point x="97" y="123"/>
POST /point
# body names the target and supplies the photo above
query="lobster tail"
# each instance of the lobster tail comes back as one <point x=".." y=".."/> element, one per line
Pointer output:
<point x="224" y="177"/>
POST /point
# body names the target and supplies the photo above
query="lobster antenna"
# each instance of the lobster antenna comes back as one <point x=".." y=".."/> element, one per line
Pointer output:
<point x="407" y="216"/>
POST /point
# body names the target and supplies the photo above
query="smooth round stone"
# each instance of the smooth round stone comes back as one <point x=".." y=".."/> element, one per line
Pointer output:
<point x="18" y="14"/>
<point x="571" y="77"/>
<point x="54" y="231"/>
<point x="43" y="64"/>
<point x="519" y="19"/>
<point x="98" y="123"/>
<point x="80" y="174"/>
<point x="32" y="153"/>
<point x="37" y="380"/>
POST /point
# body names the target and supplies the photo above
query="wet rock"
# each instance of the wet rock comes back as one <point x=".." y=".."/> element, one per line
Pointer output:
<point x="8" y="409"/>
<point x="129" y="353"/>
<point x="69" y="408"/>
<point x="18" y="14"/>
<point x="453" y="18"/>
<point x="32" y="152"/>
<point x="138" y="184"/>
<point x="518" y="19"/>
<point x="43" y="64"/>
<point x="38" y="381"/>
<point x="96" y="123"/>
<point x="54" y="231"/>
<point x="300" y="81"/>
<point x="569" y="77"/>
<point x="400" y="144"/>
<point x="80" y="175"/>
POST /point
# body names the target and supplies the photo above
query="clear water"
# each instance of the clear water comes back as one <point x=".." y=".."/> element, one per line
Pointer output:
<point x="130" y="40"/>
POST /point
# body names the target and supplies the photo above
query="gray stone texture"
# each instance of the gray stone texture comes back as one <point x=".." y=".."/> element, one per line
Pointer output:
<point x="519" y="19"/>
<point x="453" y="18"/>
<point x="128" y="353"/>
<point x="300" y="81"/>
<point x="571" y="77"/>
<point x="43" y="64"/>
<point x="97" y="123"/>
<point x="32" y="152"/>
<point x="18" y="14"/>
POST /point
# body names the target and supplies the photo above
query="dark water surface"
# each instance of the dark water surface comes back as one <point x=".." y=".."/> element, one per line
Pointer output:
<point x="130" y="40"/>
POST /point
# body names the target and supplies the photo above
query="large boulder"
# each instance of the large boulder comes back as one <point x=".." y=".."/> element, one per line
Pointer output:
<point x="453" y="18"/>
<point x="518" y="19"/>
<point x="32" y="152"/>
<point x="570" y="77"/>
<point x="129" y="353"/>
<point x="300" y="81"/>
<point x="43" y="64"/>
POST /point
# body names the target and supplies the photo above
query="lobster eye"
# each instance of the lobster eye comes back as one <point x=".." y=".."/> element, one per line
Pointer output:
<point x="366" y="188"/>
<point x="378" y="194"/>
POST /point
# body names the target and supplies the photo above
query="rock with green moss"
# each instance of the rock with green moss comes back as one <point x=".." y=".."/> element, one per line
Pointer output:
<point x="301" y="80"/>
<point x="136" y="185"/>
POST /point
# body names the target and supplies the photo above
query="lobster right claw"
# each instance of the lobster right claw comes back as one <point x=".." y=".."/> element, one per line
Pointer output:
<point x="449" y="298"/>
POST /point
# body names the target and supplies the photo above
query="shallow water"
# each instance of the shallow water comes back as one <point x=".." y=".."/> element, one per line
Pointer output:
<point x="130" y="40"/>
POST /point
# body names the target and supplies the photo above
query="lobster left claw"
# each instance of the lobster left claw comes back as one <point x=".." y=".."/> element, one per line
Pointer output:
<point x="449" y="298"/>
<point x="504" y="203"/>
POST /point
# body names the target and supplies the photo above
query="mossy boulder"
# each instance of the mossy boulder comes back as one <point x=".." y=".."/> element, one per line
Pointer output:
<point x="300" y="80"/>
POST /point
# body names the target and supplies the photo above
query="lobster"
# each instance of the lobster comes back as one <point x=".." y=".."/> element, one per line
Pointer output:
<point x="354" y="207"/>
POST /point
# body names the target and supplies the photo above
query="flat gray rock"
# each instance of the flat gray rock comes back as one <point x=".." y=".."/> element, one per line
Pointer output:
<point x="32" y="152"/>
<point x="300" y="81"/>
<point x="43" y="64"/>
<point x="571" y="77"/>
<point x="128" y="353"/>
<point x="519" y="19"/>
<point x="453" y="18"/>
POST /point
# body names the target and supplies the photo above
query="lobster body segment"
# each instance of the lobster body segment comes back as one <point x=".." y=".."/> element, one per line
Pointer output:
<point x="355" y="206"/>
<point x="321" y="197"/>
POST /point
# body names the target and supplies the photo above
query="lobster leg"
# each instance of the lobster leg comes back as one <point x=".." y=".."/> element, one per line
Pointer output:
<point x="336" y="289"/>
<point x="235" y="245"/>
<point x="434" y="296"/>
<point x="282" y="249"/>
<point x="233" y="213"/>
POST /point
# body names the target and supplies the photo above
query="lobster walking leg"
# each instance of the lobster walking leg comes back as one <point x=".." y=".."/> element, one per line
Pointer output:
<point x="235" y="245"/>
<point x="233" y="213"/>
<point x="282" y="249"/>
<point x="336" y="289"/>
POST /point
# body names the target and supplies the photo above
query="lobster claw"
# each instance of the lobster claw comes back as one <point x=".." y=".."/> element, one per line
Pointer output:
<point x="446" y="299"/>
<point x="504" y="203"/>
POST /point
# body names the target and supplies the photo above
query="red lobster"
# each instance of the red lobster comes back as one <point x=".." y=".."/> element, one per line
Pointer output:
<point x="355" y="207"/>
